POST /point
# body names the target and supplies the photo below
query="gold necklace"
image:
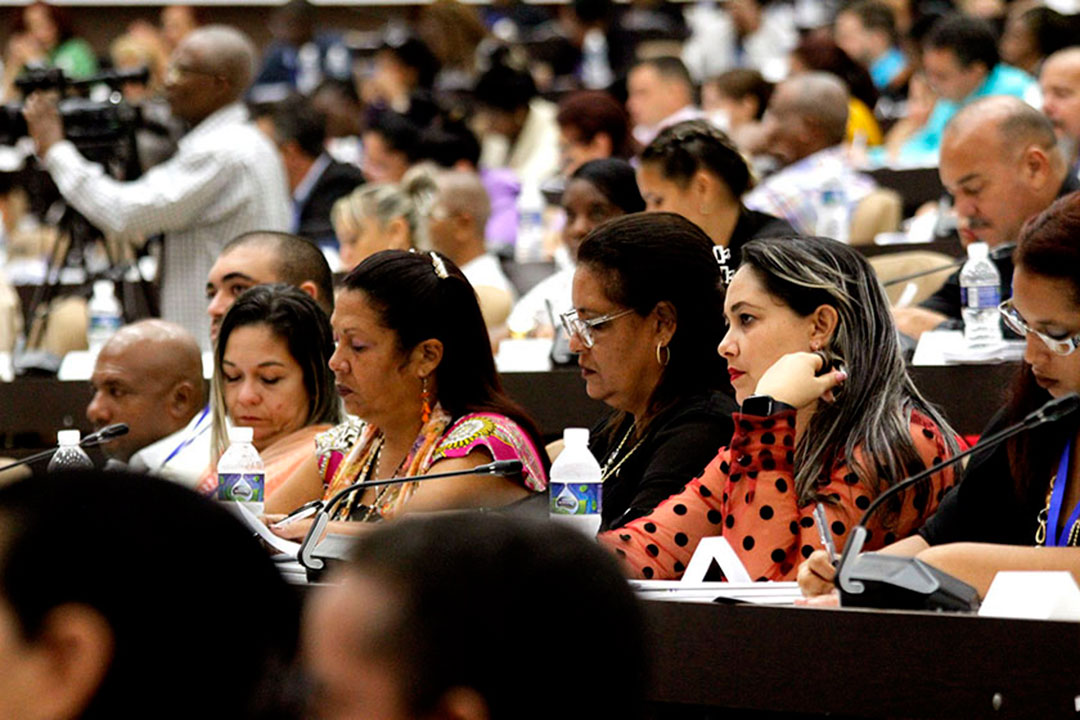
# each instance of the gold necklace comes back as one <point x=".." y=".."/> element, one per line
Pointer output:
<point x="607" y="471"/>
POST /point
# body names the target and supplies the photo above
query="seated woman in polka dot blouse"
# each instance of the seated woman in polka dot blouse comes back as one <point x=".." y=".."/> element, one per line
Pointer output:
<point x="828" y="414"/>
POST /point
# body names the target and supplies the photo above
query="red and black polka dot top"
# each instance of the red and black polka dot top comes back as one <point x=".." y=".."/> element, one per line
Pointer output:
<point x="747" y="494"/>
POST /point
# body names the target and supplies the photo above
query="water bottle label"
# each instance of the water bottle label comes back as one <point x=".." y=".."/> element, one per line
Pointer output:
<point x="576" y="498"/>
<point x="241" y="487"/>
<point x="980" y="297"/>
<point x="108" y="323"/>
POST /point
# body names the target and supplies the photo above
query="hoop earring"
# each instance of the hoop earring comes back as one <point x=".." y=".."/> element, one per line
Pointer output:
<point x="425" y="401"/>
<point x="663" y="361"/>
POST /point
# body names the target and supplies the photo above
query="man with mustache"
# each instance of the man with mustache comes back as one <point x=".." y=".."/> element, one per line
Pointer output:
<point x="1001" y="163"/>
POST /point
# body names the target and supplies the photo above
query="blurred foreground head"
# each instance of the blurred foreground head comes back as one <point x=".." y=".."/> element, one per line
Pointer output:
<point x="127" y="596"/>
<point x="476" y="616"/>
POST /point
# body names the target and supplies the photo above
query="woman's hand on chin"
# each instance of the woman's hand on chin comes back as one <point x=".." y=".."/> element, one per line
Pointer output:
<point x="793" y="380"/>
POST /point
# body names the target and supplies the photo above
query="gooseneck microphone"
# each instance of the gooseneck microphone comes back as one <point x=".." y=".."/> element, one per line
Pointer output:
<point x="102" y="436"/>
<point x="891" y="581"/>
<point x="999" y="253"/>
<point x="306" y="555"/>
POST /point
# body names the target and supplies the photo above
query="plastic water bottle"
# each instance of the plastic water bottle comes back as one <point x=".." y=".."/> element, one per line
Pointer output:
<point x="70" y="456"/>
<point x="980" y="294"/>
<point x="105" y="315"/>
<point x="596" y="72"/>
<point x="240" y="471"/>
<point x="529" y="246"/>
<point x="576" y="488"/>
<point x="833" y="215"/>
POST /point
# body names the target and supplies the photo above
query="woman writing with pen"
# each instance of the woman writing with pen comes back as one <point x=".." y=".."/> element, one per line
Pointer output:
<point x="828" y="415"/>
<point x="1019" y="503"/>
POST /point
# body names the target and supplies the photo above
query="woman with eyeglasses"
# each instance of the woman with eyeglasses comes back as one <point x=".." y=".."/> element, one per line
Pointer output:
<point x="646" y="320"/>
<point x="1019" y="503"/>
<point x="828" y="416"/>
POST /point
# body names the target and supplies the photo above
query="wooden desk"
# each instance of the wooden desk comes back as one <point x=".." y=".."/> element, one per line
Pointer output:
<point x="33" y="409"/>
<point x="860" y="663"/>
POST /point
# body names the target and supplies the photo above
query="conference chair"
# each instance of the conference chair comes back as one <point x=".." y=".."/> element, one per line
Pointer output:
<point x="898" y="265"/>
<point x="879" y="212"/>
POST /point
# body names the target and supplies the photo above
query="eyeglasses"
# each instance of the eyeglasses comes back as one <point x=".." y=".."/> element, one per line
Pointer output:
<point x="583" y="329"/>
<point x="1016" y="323"/>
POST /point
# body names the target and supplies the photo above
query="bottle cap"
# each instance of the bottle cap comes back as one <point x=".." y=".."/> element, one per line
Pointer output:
<point x="977" y="250"/>
<point x="68" y="437"/>
<point x="103" y="287"/>
<point x="576" y="436"/>
<point x="241" y="434"/>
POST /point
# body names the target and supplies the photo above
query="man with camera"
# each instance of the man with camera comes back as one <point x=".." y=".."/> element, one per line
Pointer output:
<point x="225" y="179"/>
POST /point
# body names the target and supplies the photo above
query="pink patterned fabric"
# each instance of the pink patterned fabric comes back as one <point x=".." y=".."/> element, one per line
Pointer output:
<point x="501" y="437"/>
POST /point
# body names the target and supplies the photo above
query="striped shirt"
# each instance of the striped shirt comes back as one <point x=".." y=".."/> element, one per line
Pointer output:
<point x="225" y="179"/>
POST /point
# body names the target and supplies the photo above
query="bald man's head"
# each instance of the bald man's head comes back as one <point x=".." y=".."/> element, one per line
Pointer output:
<point x="1000" y="161"/>
<point x="211" y="68"/>
<point x="459" y="215"/>
<point x="807" y="113"/>
<point x="1059" y="81"/>
<point x="149" y="375"/>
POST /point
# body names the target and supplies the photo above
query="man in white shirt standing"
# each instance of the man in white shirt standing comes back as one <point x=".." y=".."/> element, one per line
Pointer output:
<point x="659" y="92"/>
<point x="225" y="179"/>
<point x="149" y="375"/>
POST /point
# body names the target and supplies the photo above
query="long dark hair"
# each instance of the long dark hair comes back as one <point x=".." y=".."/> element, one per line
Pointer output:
<point x="869" y="423"/>
<point x="293" y="316"/>
<point x="646" y="258"/>
<point x="1046" y="247"/>
<point x="411" y="298"/>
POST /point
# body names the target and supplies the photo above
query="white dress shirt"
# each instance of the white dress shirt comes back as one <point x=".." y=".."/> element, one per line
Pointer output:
<point x="181" y="457"/>
<point x="531" y="311"/>
<point x="225" y="179"/>
<point x="486" y="270"/>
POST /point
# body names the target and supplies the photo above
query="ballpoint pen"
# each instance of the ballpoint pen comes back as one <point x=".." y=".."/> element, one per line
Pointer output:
<point x="825" y="533"/>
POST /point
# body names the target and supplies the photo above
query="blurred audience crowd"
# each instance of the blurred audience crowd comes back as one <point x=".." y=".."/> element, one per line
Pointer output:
<point x="457" y="127"/>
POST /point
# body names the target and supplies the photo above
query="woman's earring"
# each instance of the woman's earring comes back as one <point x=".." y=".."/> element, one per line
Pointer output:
<point x="666" y="357"/>
<point x="425" y="401"/>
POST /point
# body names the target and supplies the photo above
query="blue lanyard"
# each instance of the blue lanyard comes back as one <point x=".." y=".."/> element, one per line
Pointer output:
<point x="1054" y="537"/>
<point x="190" y="438"/>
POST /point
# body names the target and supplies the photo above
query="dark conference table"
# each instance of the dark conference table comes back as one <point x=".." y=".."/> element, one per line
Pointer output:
<point x="808" y="662"/>
<point x="33" y="409"/>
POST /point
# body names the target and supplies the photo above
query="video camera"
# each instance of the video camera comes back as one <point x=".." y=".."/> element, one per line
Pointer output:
<point x="87" y="122"/>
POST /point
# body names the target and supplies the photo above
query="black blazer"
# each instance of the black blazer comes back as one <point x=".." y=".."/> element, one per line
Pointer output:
<point x="337" y="180"/>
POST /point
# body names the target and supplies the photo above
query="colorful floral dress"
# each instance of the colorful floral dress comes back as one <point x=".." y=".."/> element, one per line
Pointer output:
<point x="348" y="453"/>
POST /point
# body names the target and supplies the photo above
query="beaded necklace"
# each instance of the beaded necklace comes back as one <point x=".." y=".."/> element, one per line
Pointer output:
<point x="607" y="470"/>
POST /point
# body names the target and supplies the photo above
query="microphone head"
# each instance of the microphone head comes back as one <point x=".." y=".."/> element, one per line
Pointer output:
<point x="505" y="467"/>
<point x="1058" y="408"/>
<point x="106" y="434"/>
<point x="1002" y="251"/>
